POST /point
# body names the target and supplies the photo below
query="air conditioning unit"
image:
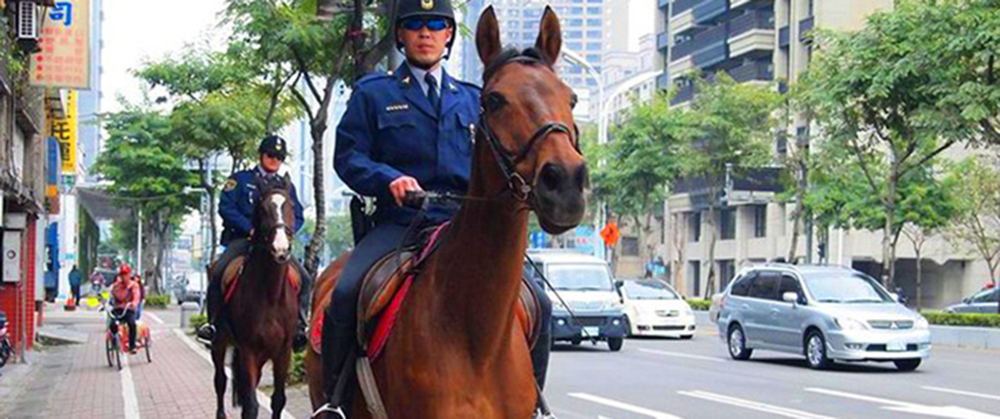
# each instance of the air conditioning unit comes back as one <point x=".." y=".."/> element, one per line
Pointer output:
<point x="28" y="22"/>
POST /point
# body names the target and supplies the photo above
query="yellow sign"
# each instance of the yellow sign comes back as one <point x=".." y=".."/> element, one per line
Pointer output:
<point x="65" y="43"/>
<point x="64" y="130"/>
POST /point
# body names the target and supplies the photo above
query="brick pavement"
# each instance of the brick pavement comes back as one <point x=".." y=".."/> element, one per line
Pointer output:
<point x="76" y="378"/>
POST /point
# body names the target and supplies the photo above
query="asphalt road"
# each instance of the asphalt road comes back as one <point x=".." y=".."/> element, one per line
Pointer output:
<point x="666" y="378"/>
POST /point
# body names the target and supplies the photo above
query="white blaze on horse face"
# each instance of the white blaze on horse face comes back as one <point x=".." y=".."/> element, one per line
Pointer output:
<point x="281" y="243"/>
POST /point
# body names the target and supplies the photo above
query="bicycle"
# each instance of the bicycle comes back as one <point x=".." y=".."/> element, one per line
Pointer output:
<point x="113" y="341"/>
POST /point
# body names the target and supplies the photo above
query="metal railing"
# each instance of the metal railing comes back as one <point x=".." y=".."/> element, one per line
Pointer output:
<point x="754" y="20"/>
<point x="681" y="6"/>
<point x="755" y="70"/>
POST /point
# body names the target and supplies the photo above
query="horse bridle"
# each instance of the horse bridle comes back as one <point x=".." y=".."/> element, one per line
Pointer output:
<point x="507" y="161"/>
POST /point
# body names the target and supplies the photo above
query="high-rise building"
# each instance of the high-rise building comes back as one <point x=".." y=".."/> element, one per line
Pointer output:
<point x="590" y="29"/>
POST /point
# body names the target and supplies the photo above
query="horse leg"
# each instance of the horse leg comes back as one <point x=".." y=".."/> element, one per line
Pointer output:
<point x="280" y="366"/>
<point x="249" y="376"/>
<point x="219" y="361"/>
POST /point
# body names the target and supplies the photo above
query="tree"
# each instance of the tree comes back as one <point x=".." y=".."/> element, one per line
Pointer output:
<point x="143" y="161"/>
<point x="339" y="48"/>
<point x="635" y="168"/>
<point x="978" y="200"/>
<point x="904" y="89"/>
<point x="734" y="126"/>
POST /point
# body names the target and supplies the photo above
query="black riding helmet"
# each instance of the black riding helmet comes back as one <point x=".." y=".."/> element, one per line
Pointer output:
<point x="275" y="146"/>
<point x="425" y="8"/>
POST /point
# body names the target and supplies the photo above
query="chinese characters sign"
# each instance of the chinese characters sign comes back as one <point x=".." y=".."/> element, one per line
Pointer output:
<point x="64" y="130"/>
<point x="65" y="43"/>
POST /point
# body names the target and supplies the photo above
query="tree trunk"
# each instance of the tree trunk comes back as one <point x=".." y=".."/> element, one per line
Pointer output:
<point x="888" y="247"/>
<point x="920" y="279"/>
<point x="800" y="193"/>
<point x="318" y="128"/>
<point x="710" y="283"/>
<point x="677" y="274"/>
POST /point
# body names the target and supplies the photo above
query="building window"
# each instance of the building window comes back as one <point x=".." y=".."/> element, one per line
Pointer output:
<point x="577" y="10"/>
<point x="694" y="226"/>
<point x="593" y="46"/>
<point x="694" y="275"/>
<point x="812" y="8"/>
<point x="727" y="224"/>
<point x="574" y="22"/>
<point x="593" y="59"/>
<point x="594" y="10"/>
<point x="572" y="34"/>
<point x="574" y="46"/>
<point x="630" y="246"/>
<point x="760" y="221"/>
<point x="727" y="270"/>
<point x="593" y="22"/>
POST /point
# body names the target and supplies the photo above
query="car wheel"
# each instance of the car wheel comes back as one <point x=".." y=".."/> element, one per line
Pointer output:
<point x="628" y="328"/>
<point x="907" y="364"/>
<point x="816" y="351"/>
<point x="576" y="341"/>
<point x="615" y="344"/>
<point x="738" y="343"/>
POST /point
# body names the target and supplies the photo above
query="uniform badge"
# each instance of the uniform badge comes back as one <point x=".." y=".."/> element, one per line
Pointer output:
<point x="427" y="4"/>
<point x="399" y="107"/>
<point x="230" y="185"/>
<point x="406" y="80"/>
<point x="472" y="133"/>
<point x="452" y="86"/>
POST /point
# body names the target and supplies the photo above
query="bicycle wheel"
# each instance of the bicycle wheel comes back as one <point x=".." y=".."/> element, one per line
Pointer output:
<point x="118" y="354"/>
<point x="146" y="344"/>
<point x="108" y="348"/>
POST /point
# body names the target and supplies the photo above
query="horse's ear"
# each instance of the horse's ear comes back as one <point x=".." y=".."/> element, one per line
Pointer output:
<point x="549" y="41"/>
<point x="287" y="181"/>
<point x="488" y="36"/>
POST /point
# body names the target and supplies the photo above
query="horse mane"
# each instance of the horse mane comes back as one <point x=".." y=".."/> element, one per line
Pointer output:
<point x="529" y="56"/>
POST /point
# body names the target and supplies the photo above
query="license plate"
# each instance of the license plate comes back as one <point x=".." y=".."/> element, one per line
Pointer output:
<point x="591" y="331"/>
<point x="896" y="347"/>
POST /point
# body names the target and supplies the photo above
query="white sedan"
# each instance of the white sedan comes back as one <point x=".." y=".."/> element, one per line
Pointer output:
<point x="653" y="308"/>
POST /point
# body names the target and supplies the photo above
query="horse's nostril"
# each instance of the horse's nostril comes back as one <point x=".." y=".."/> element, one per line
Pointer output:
<point x="553" y="176"/>
<point x="582" y="177"/>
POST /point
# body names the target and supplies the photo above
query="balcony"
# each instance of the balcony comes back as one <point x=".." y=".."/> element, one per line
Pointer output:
<point x="661" y="81"/>
<point x="704" y="40"/>
<point x="714" y="54"/>
<point x="753" y="71"/>
<point x="760" y="19"/>
<point x="661" y="41"/>
<point x="784" y="37"/>
<point x="663" y="4"/>
<point x="684" y="94"/>
<point x="707" y="10"/>
<point x="681" y="6"/>
<point x="806" y="25"/>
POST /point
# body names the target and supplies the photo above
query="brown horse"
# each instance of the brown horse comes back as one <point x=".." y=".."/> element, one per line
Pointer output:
<point x="260" y="317"/>
<point x="457" y="350"/>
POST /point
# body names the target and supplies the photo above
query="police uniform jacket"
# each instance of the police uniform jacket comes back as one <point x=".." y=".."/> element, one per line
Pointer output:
<point x="390" y="130"/>
<point x="236" y="205"/>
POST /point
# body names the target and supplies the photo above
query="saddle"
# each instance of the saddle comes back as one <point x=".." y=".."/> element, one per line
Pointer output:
<point x="385" y="287"/>
<point x="231" y="277"/>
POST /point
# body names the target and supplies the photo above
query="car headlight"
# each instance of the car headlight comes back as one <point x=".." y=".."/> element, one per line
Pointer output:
<point x="687" y="311"/>
<point x="614" y="305"/>
<point x="558" y="305"/>
<point x="921" y="323"/>
<point x="847" y="323"/>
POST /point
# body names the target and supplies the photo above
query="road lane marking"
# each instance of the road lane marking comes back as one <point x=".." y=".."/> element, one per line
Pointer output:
<point x="681" y="355"/>
<point x="956" y="412"/>
<point x="262" y="399"/>
<point x="752" y="405"/>
<point x="962" y="392"/>
<point x="154" y="317"/>
<point x="623" y="406"/>
<point x="128" y="390"/>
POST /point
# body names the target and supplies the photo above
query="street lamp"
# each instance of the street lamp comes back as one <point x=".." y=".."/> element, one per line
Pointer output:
<point x="574" y="58"/>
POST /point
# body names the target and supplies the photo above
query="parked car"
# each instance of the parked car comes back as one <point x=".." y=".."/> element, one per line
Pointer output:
<point x="825" y="313"/>
<point x="983" y="301"/>
<point x="653" y="308"/>
<point x="193" y="289"/>
<point x="593" y="307"/>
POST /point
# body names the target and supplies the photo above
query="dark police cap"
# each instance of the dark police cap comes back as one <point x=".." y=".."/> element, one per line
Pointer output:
<point x="273" y="145"/>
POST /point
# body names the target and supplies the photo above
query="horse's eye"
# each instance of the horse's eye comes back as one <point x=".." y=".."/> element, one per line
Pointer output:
<point x="572" y="101"/>
<point x="494" y="101"/>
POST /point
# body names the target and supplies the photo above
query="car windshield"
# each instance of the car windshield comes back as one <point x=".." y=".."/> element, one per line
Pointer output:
<point x="649" y="290"/>
<point x="579" y="277"/>
<point x="845" y="288"/>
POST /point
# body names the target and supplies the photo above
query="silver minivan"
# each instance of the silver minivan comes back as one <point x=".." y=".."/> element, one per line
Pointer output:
<point x="826" y="313"/>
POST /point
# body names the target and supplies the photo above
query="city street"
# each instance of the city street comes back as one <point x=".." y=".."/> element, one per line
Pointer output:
<point x="649" y="378"/>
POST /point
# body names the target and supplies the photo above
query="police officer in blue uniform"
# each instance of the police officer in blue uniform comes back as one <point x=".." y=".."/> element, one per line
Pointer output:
<point x="236" y="206"/>
<point x="411" y="130"/>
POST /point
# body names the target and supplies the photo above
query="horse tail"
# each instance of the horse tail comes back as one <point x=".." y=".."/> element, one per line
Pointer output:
<point x="237" y="378"/>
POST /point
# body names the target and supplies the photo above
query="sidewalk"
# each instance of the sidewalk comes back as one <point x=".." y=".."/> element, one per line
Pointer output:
<point x="77" y="379"/>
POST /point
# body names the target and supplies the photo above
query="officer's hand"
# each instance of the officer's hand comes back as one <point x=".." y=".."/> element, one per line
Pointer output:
<point x="401" y="185"/>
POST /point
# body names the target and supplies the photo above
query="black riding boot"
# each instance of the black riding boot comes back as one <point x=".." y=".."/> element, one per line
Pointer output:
<point x="214" y="299"/>
<point x="305" y="304"/>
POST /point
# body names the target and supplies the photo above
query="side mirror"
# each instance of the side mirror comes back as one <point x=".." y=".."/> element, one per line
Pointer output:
<point x="966" y="300"/>
<point x="619" y="283"/>
<point x="895" y="297"/>
<point x="790" y="297"/>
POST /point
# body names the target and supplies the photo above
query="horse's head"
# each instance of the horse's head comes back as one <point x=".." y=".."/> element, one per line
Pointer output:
<point x="274" y="217"/>
<point x="528" y="123"/>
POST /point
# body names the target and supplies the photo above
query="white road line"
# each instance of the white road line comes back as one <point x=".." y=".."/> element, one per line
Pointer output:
<point x="623" y="406"/>
<point x="956" y="412"/>
<point x="681" y="355"/>
<point x="154" y="317"/>
<point x="128" y="390"/>
<point x="262" y="399"/>
<point x="962" y="393"/>
<point x="752" y="405"/>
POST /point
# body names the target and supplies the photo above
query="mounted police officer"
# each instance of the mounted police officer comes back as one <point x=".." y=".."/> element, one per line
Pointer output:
<point x="407" y="131"/>
<point x="236" y="206"/>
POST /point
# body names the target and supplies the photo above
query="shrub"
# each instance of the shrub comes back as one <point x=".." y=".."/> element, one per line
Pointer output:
<point x="157" y="300"/>
<point x="297" y="372"/>
<point x="699" y="304"/>
<point x="198" y="320"/>
<point x="962" y="319"/>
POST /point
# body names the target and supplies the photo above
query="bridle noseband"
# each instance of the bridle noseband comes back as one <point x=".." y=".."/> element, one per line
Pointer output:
<point x="508" y="161"/>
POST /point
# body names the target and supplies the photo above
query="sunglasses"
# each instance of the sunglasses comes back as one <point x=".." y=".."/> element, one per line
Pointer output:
<point x="275" y="156"/>
<point x="434" y="24"/>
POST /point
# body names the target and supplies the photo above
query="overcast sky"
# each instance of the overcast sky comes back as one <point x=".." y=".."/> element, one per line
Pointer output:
<point x="137" y="30"/>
